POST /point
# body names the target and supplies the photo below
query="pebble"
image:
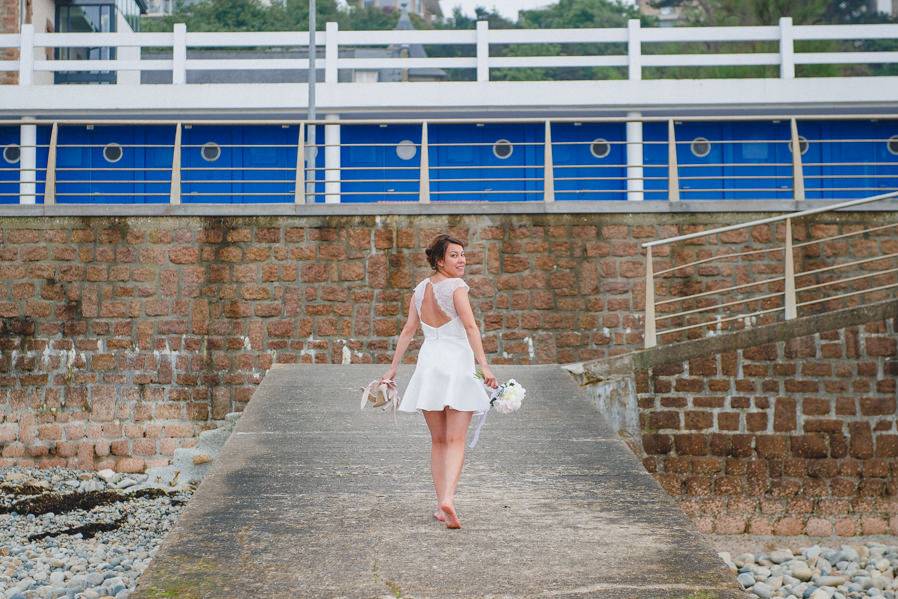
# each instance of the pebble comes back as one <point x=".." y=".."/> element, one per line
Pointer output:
<point x="849" y="572"/>
<point x="105" y="566"/>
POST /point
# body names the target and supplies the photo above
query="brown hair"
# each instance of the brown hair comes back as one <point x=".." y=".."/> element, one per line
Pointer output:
<point x="437" y="248"/>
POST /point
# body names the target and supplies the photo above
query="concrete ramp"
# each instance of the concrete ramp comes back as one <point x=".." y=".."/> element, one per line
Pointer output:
<point x="313" y="498"/>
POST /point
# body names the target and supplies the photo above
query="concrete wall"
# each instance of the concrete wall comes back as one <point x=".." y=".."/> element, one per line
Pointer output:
<point x="123" y="337"/>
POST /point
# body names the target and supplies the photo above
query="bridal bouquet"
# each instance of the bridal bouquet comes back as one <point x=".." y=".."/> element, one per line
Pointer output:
<point x="506" y="398"/>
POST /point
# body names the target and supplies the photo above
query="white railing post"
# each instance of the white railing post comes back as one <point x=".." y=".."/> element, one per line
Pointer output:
<point x="26" y="54"/>
<point x="634" y="50"/>
<point x="332" y="160"/>
<point x="50" y="180"/>
<point x="483" y="51"/>
<point x="548" y="167"/>
<point x="424" y="169"/>
<point x="787" y="49"/>
<point x="634" y="157"/>
<point x="299" y="196"/>
<point x="797" y="167"/>
<point x="651" y="338"/>
<point x="175" y="192"/>
<point x="331" y="52"/>
<point x="27" y="164"/>
<point x="179" y="54"/>
<point x="789" y="275"/>
<point x="673" y="175"/>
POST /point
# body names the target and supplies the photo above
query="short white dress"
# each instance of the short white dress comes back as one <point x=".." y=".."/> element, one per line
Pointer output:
<point x="444" y="373"/>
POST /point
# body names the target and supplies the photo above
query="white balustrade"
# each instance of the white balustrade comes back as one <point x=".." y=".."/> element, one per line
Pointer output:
<point x="481" y="39"/>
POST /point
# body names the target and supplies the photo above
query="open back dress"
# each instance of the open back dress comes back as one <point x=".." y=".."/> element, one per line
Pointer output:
<point x="444" y="373"/>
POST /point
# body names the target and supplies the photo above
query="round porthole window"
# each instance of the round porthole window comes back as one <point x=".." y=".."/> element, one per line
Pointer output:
<point x="600" y="148"/>
<point x="892" y="145"/>
<point x="210" y="151"/>
<point x="112" y="152"/>
<point x="502" y="149"/>
<point x="12" y="153"/>
<point x="802" y="144"/>
<point x="406" y="149"/>
<point x="700" y="147"/>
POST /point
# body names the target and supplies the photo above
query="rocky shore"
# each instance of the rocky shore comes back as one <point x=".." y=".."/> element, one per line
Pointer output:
<point x="80" y="535"/>
<point x="848" y="572"/>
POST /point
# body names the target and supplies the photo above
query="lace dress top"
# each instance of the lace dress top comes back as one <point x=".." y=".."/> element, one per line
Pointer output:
<point x="442" y="293"/>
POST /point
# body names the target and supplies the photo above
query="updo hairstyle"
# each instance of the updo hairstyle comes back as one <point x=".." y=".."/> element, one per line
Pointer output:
<point x="437" y="249"/>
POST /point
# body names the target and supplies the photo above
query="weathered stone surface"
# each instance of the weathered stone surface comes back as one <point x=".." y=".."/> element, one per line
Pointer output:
<point x="311" y="497"/>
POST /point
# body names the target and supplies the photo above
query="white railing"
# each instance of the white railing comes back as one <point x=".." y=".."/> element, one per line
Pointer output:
<point x="642" y="49"/>
<point x="716" y="306"/>
<point x="624" y="172"/>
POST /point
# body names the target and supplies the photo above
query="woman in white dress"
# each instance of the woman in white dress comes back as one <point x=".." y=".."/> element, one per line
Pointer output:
<point x="443" y="387"/>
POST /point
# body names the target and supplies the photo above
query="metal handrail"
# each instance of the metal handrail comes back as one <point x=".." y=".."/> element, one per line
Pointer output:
<point x="771" y="219"/>
<point x="790" y="289"/>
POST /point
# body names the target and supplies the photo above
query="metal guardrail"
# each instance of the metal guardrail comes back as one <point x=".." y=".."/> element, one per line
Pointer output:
<point x="603" y="49"/>
<point x="627" y="173"/>
<point x="779" y="295"/>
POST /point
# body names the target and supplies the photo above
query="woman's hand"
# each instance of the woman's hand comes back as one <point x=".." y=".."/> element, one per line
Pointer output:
<point x="389" y="375"/>
<point x="489" y="379"/>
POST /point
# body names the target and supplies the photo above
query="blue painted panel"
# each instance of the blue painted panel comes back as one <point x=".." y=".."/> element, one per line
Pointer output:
<point x="448" y="173"/>
<point x="582" y="175"/>
<point x="858" y="163"/>
<point x="256" y="164"/>
<point x="654" y="156"/>
<point x="376" y="173"/>
<point x="129" y="180"/>
<point x="744" y="161"/>
<point x="9" y="172"/>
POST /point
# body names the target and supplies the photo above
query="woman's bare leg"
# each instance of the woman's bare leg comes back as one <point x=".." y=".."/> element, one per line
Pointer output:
<point x="456" y="429"/>
<point x="436" y="422"/>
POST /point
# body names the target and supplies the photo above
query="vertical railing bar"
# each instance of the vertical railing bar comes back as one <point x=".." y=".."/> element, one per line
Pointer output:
<point x="797" y="167"/>
<point x="175" y="197"/>
<point x="650" y="336"/>
<point x="548" y="167"/>
<point x="26" y="54"/>
<point x="483" y="51"/>
<point x="424" y="169"/>
<point x="789" y="275"/>
<point x="673" y="176"/>
<point x="635" y="157"/>
<point x="50" y="184"/>
<point x="331" y="52"/>
<point x="787" y="49"/>
<point x="179" y="55"/>
<point x="634" y="50"/>
<point x="299" y="196"/>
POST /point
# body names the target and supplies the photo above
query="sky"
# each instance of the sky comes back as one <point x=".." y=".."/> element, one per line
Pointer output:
<point x="507" y="8"/>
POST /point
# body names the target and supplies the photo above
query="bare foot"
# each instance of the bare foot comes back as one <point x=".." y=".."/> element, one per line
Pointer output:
<point x="452" y="520"/>
<point x="439" y="515"/>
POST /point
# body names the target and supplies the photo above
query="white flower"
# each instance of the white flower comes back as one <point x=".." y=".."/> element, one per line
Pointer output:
<point x="514" y="391"/>
<point x="509" y="397"/>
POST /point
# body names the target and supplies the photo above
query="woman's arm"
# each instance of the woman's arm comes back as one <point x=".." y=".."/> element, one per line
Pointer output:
<point x="405" y="338"/>
<point x="466" y="314"/>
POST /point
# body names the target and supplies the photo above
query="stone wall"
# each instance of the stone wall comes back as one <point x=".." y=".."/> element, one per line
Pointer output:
<point x="122" y="338"/>
<point x="9" y="23"/>
<point x="795" y="437"/>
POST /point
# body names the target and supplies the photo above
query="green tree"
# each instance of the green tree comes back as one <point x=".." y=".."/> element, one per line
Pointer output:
<point x="217" y="15"/>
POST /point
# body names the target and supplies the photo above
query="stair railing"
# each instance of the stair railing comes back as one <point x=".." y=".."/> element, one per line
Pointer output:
<point x="780" y="294"/>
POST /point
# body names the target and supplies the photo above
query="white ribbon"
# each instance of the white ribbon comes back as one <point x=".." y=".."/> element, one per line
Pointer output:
<point x="495" y="393"/>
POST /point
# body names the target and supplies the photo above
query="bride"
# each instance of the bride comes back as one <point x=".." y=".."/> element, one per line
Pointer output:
<point x="443" y="387"/>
